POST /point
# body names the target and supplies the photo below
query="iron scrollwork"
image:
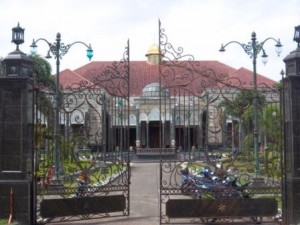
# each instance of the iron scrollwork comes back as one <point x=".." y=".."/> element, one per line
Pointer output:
<point x="210" y="92"/>
<point x="92" y="167"/>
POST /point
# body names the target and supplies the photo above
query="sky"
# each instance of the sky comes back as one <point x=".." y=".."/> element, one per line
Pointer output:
<point x="198" y="26"/>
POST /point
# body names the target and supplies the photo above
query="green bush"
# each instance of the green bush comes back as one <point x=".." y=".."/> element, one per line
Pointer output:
<point x="3" y="221"/>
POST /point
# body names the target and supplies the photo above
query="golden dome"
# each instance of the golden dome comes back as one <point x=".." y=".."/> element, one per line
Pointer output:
<point x="153" y="50"/>
<point x="153" y="55"/>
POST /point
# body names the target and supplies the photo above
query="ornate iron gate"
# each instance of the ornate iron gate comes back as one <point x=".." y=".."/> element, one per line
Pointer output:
<point x="88" y="175"/>
<point x="213" y="178"/>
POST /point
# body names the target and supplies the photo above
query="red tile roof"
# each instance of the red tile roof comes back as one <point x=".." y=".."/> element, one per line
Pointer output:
<point x="203" y="73"/>
<point x="69" y="78"/>
<point x="247" y="76"/>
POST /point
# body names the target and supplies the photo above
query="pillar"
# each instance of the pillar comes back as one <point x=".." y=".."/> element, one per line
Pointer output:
<point x="147" y="134"/>
<point x="172" y="129"/>
<point x="291" y="161"/>
<point x="16" y="132"/>
<point x="138" y="129"/>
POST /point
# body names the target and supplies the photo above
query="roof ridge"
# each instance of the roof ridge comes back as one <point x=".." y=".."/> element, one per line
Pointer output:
<point x="244" y="68"/>
<point x="83" y="78"/>
<point x="142" y="73"/>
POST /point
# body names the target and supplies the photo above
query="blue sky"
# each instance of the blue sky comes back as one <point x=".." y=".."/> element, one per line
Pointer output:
<point x="198" y="26"/>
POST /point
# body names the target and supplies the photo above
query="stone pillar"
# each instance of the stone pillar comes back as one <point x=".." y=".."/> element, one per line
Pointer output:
<point x="16" y="136"/>
<point x="200" y="131"/>
<point x="163" y="144"/>
<point x="172" y="128"/>
<point x="291" y="107"/>
<point x="138" y="129"/>
<point x="147" y="134"/>
<point x="16" y="139"/>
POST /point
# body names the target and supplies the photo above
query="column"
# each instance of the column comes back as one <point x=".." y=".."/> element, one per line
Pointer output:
<point x="16" y="142"/>
<point x="291" y="160"/>
<point x="138" y="129"/>
<point x="163" y="144"/>
<point x="172" y="129"/>
<point x="147" y="134"/>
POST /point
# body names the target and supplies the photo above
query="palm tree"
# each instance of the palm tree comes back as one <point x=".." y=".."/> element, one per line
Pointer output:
<point x="241" y="108"/>
<point x="270" y="125"/>
<point x="41" y="70"/>
<point x="269" y="119"/>
<point x="240" y="103"/>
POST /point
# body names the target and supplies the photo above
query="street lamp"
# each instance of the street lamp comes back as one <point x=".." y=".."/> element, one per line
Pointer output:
<point x="252" y="49"/>
<point x="297" y="35"/>
<point x="58" y="49"/>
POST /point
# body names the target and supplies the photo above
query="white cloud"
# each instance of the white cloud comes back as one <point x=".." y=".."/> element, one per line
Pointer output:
<point x="198" y="26"/>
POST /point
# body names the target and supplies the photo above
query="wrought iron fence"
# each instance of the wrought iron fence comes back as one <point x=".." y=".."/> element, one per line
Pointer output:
<point x="94" y="171"/>
<point x="214" y="178"/>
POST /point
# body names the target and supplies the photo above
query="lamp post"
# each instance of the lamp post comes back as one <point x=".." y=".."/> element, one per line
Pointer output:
<point x="253" y="48"/>
<point x="58" y="49"/>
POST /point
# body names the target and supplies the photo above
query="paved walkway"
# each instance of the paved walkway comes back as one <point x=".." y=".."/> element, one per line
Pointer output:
<point x="144" y="199"/>
<point x="144" y="195"/>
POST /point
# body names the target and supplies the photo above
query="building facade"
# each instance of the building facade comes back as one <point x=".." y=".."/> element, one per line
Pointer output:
<point x="164" y="106"/>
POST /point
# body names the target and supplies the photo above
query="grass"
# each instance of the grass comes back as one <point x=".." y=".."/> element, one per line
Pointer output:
<point x="5" y="222"/>
<point x="96" y="176"/>
<point x="87" y="167"/>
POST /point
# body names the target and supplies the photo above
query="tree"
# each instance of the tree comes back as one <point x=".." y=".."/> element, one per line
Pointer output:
<point x="241" y="103"/>
<point x="241" y="108"/>
<point x="269" y="118"/>
<point x="41" y="71"/>
<point x="270" y="121"/>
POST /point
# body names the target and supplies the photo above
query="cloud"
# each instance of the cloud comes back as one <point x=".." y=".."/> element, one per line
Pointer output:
<point x="198" y="26"/>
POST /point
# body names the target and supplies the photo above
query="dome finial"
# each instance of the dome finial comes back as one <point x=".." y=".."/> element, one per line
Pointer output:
<point x="153" y="55"/>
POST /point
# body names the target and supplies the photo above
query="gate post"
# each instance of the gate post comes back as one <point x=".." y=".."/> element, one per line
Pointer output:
<point x="291" y="163"/>
<point x="16" y="136"/>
